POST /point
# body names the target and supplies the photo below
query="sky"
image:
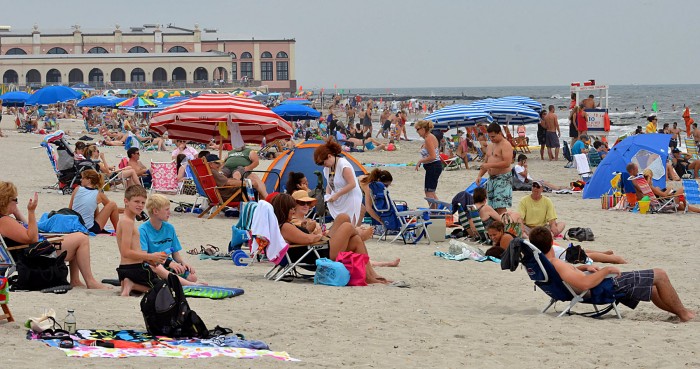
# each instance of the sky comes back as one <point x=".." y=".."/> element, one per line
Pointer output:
<point x="428" y="43"/>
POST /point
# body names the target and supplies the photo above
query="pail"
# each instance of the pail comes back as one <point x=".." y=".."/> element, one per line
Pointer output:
<point x="644" y="206"/>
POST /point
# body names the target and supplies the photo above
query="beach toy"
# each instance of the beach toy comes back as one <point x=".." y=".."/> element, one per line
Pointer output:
<point x="644" y="205"/>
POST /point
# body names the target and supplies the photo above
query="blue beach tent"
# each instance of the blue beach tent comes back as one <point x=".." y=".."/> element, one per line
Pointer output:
<point x="293" y="112"/>
<point x="301" y="159"/>
<point x="647" y="150"/>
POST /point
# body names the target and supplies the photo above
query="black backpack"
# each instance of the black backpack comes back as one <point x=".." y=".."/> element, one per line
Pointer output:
<point x="167" y="313"/>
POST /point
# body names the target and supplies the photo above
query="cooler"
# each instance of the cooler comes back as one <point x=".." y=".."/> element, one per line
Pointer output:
<point x="437" y="229"/>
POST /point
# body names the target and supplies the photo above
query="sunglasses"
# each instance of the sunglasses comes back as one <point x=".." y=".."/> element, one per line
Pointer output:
<point x="15" y="199"/>
<point x="305" y="203"/>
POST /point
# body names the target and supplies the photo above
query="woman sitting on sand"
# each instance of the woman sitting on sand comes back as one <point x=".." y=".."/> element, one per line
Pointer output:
<point x="85" y="201"/>
<point x="77" y="245"/>
<point x="501" y="240"/>
<point x="343" y="235"/>
<point x="93" y="153"/>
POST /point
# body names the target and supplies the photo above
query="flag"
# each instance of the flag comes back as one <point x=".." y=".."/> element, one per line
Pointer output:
<point x="654" y="107"/>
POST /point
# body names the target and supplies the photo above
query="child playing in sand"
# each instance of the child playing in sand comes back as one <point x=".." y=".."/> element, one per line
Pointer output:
<point x="134" y="271"/>
<point x="157" y="235"/>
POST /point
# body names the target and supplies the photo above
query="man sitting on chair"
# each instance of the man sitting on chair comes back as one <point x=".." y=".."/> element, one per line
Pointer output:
<point x="141" y="170"/>
<point x="639" y="285"/>
<point x="538" y="211"/>
<point x="233" y="184"/>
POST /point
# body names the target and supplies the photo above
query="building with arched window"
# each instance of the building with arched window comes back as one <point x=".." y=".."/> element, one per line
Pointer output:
<point x="145" y="56"/>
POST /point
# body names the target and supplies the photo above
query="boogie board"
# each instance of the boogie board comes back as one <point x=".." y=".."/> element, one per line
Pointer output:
<point x="211" y="292"/>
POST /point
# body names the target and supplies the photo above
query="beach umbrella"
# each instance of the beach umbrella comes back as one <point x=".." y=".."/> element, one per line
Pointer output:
<point x="124" y="92"/>
<point x="14" y="98"/>
<point x="161" y="94"/>
<point x="221" y="116"/>
<point x="105" y="101"/>
<point x="296" y="112"/>
<point x="458" y="115"/>
<point x="82" y="86"/>
<point x="136" y="102"/>
<point x="145" y="93"/>
<point x="296" y="100"/>
<point x="109" y="92"/>
<point x="52" y="95"/>
<point x="647" y="150"/>
<point x="522" y="100"/>
<point x="504" y="112"/>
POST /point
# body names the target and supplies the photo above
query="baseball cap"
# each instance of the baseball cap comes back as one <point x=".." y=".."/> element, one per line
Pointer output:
<point x="212" y="158"/>
<point x="538" y="183"/>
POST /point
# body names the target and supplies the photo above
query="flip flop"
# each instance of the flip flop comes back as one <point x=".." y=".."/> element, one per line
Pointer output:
<point x="399" y="284"/>
<point x="59" y="290"/>
<point x="113" y="282"/>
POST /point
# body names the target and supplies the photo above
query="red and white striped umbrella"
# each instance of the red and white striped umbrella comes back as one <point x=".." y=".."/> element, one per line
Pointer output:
<point x="198" y="119"/>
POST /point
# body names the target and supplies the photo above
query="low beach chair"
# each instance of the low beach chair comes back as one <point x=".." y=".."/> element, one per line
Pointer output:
<point x="408" y="225"/>
<point x="692" y="148"/>
<point x="656" y="204"/>
<point x="594" y="158"/>
<point x="164" y="178"/>
<point x="7" y="267"/>
<point x="450" y="163"/>
<point x="691" y="191"/>
<point x="202" y="173"/>
<point x="477" y="225"/>
<point x="566" y="151"/>
<point x="542" y="272"/>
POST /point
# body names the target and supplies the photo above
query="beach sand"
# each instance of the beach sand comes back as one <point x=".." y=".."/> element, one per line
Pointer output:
<point x="455" y="314"/>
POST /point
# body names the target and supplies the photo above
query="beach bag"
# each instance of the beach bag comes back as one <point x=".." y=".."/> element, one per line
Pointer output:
<point x="511" y="226"/>
<point x="580" y="234"/>
<point x="188" y="187"/>
<point x="331" y="273"/>
<point x="355" y="264"/>
<point x="38" y="269"/>
<point x="575" y="254"/>
<point x="610" y="200"/>
<point x="166" y="312"/>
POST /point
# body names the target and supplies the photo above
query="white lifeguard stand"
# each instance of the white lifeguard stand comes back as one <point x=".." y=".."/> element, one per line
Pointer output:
<point x="596" y="117"/>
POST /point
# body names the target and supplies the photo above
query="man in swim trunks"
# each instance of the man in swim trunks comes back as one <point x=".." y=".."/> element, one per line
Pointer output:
<point x="497" y="164"/>
<point x="635" y="286"/>
<point x="551" y="122"/>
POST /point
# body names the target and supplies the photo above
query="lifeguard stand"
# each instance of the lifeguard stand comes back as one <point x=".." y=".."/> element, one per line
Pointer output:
<point x="598" y="120"/>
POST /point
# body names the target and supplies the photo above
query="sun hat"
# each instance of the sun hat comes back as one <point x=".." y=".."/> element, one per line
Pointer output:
<point x="301" y="195"/>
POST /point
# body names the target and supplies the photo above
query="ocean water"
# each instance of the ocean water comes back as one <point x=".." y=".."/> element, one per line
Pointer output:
<point x="628" y="105"/>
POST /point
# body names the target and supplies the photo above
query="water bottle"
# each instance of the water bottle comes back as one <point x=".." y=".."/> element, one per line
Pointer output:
<point x="69" y="322"/>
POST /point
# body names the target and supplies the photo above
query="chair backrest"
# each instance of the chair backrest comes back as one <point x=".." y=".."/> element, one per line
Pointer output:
<point x="541" y="271"/>
<point x="50" y="154"/>
<point x="594" y="157"/>
<point x="384" y="207"/>
<point x="164" y="176"/>
<point x="691" y="146"/>
<point x="644" y="186"/>
<point x="202" y="172"/>
<point x="7" y="263"/>
<point x="190" y="174"/>
<point x="692" y="191"/>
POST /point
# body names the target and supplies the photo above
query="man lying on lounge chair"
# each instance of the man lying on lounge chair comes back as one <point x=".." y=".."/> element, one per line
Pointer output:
<point x="639" y="285"/>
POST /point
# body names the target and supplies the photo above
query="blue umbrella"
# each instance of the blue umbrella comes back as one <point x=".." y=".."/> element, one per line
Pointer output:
<point x="458" y="116"/>
<point x="53" y="94"/>
<point x="522" y="100"/>
<point x="507" y="112"/>
<point x="107" y="101"/>
<point x="296" y="112"/>
<point x="82" y="86"/>
<point x="634" y="148"/>
<point x="14" y="98"/>
<point x="296" y="101"/>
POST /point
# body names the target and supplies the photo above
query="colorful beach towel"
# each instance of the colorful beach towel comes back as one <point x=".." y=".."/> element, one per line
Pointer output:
<point x="463" y="256"/>
<point x="128" y="343"/>
<point x="211" y="292"/>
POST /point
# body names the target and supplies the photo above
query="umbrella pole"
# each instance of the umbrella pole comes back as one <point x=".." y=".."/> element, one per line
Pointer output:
<point x="221" y="146"/>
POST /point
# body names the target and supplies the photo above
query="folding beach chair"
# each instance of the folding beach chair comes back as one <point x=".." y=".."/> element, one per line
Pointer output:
<point x="200" y="195"/>
<point x="582" y="167"/>
<point x="542" y="272"/>
<point x="164" y="178"/>
<point x="656" y="204"/>
<point x="476" y="225"/>
<point x="450" y="163"/>
<point x="692" y="148"/>
<point x="202" y="173"/>
<point x="566" y="151"/>
<point x="594" y="158"/>
<point x="691" y="191"/>
<point x="408" y="225"/>
<point x="7" y="267"/>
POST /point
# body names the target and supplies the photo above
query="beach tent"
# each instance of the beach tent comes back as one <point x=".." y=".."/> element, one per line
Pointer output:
<point x="647" y="150"/>
<point x="301" y="159"/>
<point x="14" y="98"/>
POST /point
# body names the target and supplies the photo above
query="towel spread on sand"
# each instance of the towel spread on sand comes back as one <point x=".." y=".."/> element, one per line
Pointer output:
<point x="466" y="256"/>
<point x="141" y="344"/>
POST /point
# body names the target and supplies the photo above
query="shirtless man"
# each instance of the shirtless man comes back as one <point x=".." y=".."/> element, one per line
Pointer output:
<point x="498" y="158"/>
<point x="551" y="123"/>
<point x="696" y="134"/>
<point x="675" y="136"/>
<point x="134" y="155"/>
<point x="385" y="120"/>
<point x="350" y="113"/>
<point x="589" y="103"/>
<point x="634" y="286"/>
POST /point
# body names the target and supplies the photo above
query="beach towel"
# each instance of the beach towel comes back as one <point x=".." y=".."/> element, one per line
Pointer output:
<point x="212" y="292"/>
<point x="60" y="223"/>
<point x="265" y="225"/>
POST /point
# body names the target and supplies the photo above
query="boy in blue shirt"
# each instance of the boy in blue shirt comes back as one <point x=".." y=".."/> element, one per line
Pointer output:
<point x="580" y="146"/>
<point x="157" y="235"/>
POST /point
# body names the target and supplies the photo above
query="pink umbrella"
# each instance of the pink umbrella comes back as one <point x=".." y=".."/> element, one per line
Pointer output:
<point x="199" y="119"/>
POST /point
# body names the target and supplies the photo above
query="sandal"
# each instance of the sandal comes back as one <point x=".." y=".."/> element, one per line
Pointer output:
<point x="196" y="251"/>
<point x="59" y="290"/>
<point x="210" y="250"/>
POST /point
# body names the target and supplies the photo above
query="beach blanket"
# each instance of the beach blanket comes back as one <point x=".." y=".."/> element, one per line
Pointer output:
<point x="466" y="256"/>
<point x="128" y="343"/>
<point x="211" y="292"/>
<point x="60" y="223"/>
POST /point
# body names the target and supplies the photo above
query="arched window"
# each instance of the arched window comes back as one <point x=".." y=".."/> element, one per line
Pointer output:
<point x="246" y="55"/>
<point x="117" y="75"/>
<point x="33" y="77"/>
<point x="179" y="74"/>
<point x="53" y="76"/>
<point x="282" y="55"/>
<point x="57" y="50"/>
<point x="98" y="50"/>
<point x="201" y="74"/>
<point x="96" y="75"/>
<point x="233" y="55"/>
<point x="266" y="55"/>
<point x="75" y="76"/>
<point x="10" y="76"/>
<point x="138" y="75"/>
<point x="16" y="51"/>
<point x="177" y="49"/>
<point x="160" y="75"/>
<point x="138" y="50"/>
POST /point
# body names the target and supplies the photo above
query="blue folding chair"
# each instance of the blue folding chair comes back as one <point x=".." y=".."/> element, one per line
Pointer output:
<point x="409" y="225"/>
<point x="692" y="192"/>
<point x="542" y="272"/>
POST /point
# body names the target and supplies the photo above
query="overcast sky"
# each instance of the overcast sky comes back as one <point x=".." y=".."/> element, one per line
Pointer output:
<point x="428" y="43"/>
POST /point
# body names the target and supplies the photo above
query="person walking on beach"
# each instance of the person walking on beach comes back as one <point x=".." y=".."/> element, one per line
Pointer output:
<point x="497" y="164"/>
<point x="551" y="122"/>
<point x="542" y="134"/>
<point x="573" y="131"/>
<point x="676" y="136"/>
<point x="430" y="158"/>
<point x="367" y="119"/>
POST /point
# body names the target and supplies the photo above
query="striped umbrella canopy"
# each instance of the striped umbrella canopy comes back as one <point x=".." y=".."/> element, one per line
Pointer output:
<point x="136" y="102"/>
<point x="523" y="100"/>
<point x="208" y="116"/>
<point x="458" y="115"/>
<point x="504" y="112"/>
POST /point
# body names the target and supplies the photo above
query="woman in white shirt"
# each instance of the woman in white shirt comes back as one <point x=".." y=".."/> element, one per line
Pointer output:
<point x="343" y="193"/>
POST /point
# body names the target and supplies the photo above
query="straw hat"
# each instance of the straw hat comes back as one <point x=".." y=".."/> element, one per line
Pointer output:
<point x="301" y="195"/>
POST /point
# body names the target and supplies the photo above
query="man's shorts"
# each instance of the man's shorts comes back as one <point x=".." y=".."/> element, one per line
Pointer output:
<point x="636" y="285"/>
<point x="138" y="273"/>
<point x="551" y="140"/>
<point x="500" y="190"/>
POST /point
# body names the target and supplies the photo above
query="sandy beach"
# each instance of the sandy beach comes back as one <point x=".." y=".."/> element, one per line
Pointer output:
<point x="455" y="314"/>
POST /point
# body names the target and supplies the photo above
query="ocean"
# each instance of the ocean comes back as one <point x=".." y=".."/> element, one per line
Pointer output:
<point x="628" y="105"/>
